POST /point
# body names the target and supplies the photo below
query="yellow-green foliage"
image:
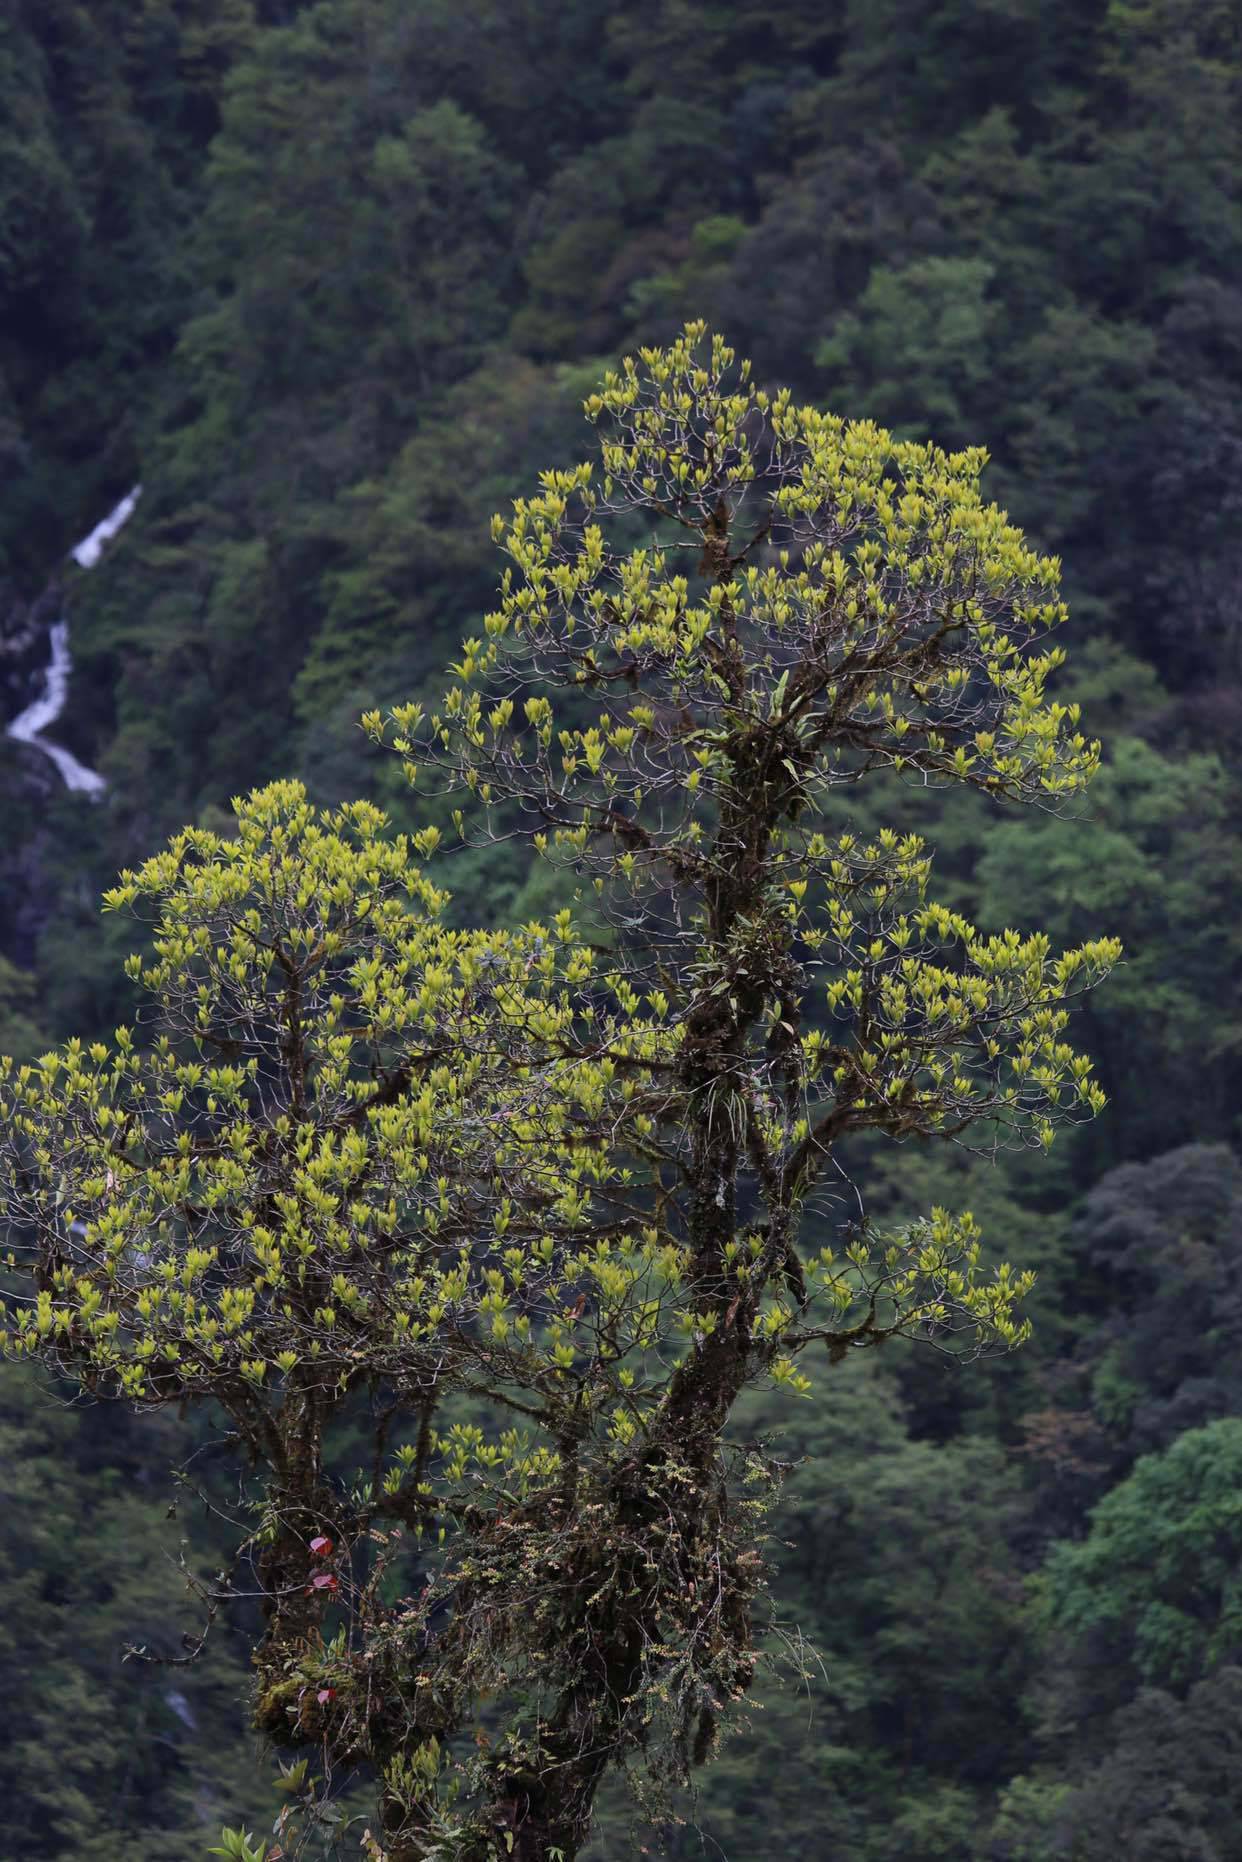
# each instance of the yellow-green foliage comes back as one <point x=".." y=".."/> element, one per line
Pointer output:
<point x="806" y="579"/>
<point x="352" y="1149"/>
<point x="814" y="600"/>
<point x="352" y="1137"/>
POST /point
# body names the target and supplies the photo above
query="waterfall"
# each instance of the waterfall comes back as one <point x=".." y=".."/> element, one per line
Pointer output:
<point x="87" y="553"/>
<point x="45" y="710"/>
<point x="28" y="727"/>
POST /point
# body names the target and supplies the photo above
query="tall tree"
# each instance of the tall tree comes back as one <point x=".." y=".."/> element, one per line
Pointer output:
<point x="547" y="1201"/>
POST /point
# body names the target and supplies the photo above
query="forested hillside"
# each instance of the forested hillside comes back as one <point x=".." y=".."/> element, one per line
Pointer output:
<point x="331" y="282"/>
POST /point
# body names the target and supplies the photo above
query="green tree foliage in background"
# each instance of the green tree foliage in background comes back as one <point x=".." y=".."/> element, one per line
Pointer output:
<point x="1144" y="1616"/>
<point x="92" y="1568"/>
<point x="1157" y="1572"/>
<point x="368" y="1156"/>
<point x="332" y="281"/>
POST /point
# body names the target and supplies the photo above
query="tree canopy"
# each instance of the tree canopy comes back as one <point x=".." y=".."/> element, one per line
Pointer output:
<point x="533" y="1208"/>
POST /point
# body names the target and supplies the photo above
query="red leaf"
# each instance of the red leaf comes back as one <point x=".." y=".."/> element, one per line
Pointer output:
<point x="324" y="1580"/>
<point x="320" y="1547"/>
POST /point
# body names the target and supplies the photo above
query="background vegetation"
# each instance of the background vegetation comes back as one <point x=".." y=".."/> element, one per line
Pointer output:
<point x="331" y="281"/>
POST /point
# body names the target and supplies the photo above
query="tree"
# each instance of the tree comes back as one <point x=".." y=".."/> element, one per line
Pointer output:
<point x="1159" y="860"/>
<point x="156" y="1755"/>
<point x="1139" y="1699"/>
<point x="1157" y="1256"/>
<point x="1156" y="1586"/>
<point x="526" y="1211"/>
<point x="1168" y="1790"/>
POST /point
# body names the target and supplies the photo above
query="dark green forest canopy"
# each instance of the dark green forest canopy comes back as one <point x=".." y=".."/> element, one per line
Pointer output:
<point x="332" y="282"/>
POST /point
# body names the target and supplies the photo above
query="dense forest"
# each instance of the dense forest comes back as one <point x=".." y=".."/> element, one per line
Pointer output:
<point x="331" y="281"/>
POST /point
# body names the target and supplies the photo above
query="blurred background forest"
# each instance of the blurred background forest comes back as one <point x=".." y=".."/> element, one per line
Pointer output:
<point x="330" y="280"/>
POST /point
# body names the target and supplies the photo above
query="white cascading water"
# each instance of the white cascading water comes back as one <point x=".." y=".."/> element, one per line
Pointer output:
<point x="28" y="727"/>
<point x="87" y="553"/>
